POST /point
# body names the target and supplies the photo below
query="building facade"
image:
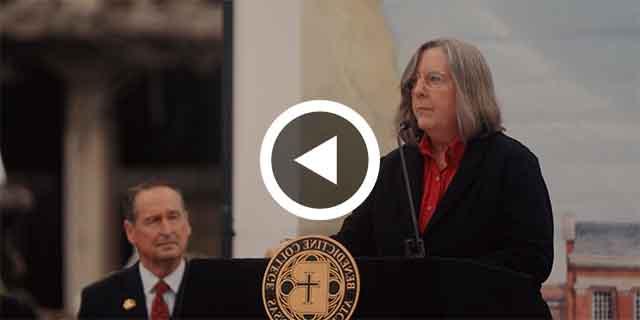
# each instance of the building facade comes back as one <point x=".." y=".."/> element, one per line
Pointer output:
<point x="603" y="270"/>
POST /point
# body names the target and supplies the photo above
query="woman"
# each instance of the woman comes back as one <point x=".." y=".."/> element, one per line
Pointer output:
<point x="478" y="193"/>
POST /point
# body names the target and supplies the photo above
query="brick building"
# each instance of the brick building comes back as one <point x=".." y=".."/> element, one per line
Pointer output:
<point x="603" y="270"/>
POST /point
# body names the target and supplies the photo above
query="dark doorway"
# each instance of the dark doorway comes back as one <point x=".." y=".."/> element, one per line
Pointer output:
<point x="32" y="117"/>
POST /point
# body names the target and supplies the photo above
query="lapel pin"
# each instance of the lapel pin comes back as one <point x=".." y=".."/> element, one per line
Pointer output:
<point x="129" y="304"/>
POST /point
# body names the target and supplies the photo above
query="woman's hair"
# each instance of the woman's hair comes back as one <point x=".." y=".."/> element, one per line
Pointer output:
<point x="477" y="108"/>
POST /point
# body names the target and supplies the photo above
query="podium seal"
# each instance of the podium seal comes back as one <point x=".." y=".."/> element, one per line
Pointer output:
<point x="311" y="277"/>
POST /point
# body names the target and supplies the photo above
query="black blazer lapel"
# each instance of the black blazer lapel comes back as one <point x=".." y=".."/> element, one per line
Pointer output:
<point x="133" y="292"/>
<point x="466" y="174"/>
<point x="178" y="306"/>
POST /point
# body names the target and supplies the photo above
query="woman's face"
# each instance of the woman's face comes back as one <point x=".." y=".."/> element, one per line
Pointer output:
<point x="433" y="97"/>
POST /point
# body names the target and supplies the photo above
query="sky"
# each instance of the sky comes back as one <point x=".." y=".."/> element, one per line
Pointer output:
<point x="567" y="74"/>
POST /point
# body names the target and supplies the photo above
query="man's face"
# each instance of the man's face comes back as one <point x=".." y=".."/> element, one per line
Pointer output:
<point x="161" y="228"/>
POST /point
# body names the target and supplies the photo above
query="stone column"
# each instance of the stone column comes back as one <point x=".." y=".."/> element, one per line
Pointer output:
<point x="265" y="47"/>
<point x="91" y="239"/>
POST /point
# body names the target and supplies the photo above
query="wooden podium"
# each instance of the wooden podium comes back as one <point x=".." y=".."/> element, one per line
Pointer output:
<point x="391" y="288"/>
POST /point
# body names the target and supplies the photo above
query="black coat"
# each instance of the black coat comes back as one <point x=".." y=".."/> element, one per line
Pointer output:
<point x="105" y="298"/>
<point x="496" y="210"/>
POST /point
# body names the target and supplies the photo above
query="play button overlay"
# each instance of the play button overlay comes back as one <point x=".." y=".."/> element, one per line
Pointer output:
<point x="322" y="160"/>
<point x="319" y="160"/>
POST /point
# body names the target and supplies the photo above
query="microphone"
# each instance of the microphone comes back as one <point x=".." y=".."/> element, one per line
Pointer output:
<point x="413" y="247"/>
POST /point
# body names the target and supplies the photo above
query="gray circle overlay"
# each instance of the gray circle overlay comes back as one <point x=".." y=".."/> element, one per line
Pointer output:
<point x="303" y="134"/>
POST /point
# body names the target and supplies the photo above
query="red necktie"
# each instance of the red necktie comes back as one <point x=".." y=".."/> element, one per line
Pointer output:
<point x="159" y="308"/>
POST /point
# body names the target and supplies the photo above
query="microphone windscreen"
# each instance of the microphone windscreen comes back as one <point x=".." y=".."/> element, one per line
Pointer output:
<point x="404" y="125"/>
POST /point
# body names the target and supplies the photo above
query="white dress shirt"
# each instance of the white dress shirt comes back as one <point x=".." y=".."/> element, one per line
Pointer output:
<point x="149" y="281"/>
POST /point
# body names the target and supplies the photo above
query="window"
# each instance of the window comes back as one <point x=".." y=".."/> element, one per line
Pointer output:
<point x="637" y="305"/>
<point x="602" y="307"/>
<point x="170" y="118"/>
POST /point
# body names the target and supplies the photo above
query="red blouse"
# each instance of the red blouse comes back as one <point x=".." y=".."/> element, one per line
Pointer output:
<point x="436" y="180"/>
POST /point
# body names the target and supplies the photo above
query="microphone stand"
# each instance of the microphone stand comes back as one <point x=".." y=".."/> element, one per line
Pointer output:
<point x="413" y="247"/>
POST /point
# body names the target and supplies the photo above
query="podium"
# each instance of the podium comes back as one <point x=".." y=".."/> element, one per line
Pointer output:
<point x="391" y="288"/>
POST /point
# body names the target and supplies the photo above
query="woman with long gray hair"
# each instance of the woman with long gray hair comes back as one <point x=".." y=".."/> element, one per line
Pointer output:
<point x="478" y="193"/>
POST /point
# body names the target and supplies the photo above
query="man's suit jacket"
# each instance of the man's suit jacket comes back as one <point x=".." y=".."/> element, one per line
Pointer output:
<point x="496" y="209"/>
<point x="106" y="298"/>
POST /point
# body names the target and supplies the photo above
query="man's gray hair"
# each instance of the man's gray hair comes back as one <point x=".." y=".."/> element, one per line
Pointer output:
<point x="132" y="193"/>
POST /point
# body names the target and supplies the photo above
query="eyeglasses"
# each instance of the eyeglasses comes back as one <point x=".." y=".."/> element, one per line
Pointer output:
<point x="432" y="80"/>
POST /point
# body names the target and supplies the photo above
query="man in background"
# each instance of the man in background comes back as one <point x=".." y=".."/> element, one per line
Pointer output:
<point x="157" y="225"/>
